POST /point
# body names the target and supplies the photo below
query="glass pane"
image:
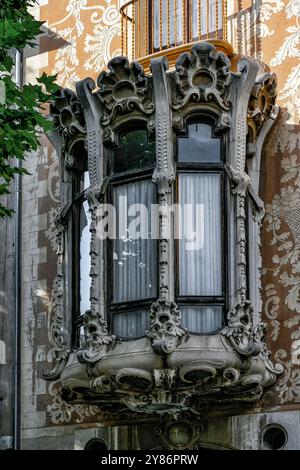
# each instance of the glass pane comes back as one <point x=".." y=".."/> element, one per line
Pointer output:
<point x="134" y="252"/>
<point x="200" y="264"/>
<point x="201" y="319"/>
<point x="82" y="337"/>
<point x="131" y="324"/>
<point x="170" y="18"/>
<point x="85" y="258"/>
<point x="134" y="152"/>
<point x="199" y="146"/>
<point x="86" y="180"/>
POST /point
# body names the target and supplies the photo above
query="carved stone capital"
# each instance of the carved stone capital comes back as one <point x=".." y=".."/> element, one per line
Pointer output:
<point x="239" y="330"/>
<point x="164" y="326"/>
<point x="247" y="338"/>
<point x="240" y="181"/>
<point x="96" y="338"/>
<point x="261" y="104"/>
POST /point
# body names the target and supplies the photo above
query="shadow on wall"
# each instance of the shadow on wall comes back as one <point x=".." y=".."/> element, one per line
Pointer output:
<point x="280" y="190"/>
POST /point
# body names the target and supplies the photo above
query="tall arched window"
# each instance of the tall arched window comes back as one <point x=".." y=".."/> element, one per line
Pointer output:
<point x="133" y="253"/>
<point x="81" y="241"/>
<point x="200" y="251"/>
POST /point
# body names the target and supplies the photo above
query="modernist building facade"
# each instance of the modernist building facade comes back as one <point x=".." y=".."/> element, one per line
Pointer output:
<point x="185" y="337"/>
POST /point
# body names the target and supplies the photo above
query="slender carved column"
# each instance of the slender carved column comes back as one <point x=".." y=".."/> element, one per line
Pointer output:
<point x="95" y="325"/>
<point x="164" y="314"/>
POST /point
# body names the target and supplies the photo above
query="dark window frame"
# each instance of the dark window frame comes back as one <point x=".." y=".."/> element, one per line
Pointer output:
<point x="205" y="168"/>
<point x="78" y="197"/>
<point x="116" y="179"/>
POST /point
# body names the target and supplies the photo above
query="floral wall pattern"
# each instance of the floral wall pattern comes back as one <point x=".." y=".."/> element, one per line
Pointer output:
<point x="91" y="32"/>
<point x="88" y="32"/>
<point x="81" y="37"/>
<point x="281" y="254"/>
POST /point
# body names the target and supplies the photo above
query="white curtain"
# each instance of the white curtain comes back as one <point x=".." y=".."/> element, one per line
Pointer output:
<point x="202" y="319"/>
<point x="131" y="324"/>
<point x="85" y="258"/>
<point x="212" y="16"/>
<point x="175" y="15"/>
<point x="134" y="260"/>
<point x="200" y="256"/>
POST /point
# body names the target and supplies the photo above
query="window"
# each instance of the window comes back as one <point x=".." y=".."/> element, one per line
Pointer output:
<point x="133" y="253"/>
<point x="81" y="260"/>
<point x="179" y="21"/>
<point x="200" y="253"/>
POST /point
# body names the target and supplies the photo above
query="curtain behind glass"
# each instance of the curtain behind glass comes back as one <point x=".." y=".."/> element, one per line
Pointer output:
<point x="131" y="324"/>
<point x="200" y="269"/>
<point x="202" y="319"/>
<point x="134" y="260"/>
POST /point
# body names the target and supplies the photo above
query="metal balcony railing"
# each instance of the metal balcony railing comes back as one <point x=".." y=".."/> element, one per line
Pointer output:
<point x="150" y="26"/>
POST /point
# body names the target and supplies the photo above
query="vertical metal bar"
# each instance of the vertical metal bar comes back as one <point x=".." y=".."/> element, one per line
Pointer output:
<point x="175" y="23"/>
<point x="184" y="26"/>
<point x="207" y="19"/>
<point x="160" y="25"/>
<point x="126" y="34"/>
<point x="152" y="26"/>
<point x="217" y="18"/>
<point x="168" y="23"/>
<point x="199" y="20"/>
<point x="225" y="19"/>
<point x="146" y="27"/>
<point x="132" y="31"/>
<point x="122" y="34"/>
<point x="189" y="22"/>
<point x="19" y="75"/>
<point x="137" y="32"/>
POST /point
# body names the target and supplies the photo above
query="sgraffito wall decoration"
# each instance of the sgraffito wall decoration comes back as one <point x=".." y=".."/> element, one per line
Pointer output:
<point x="82" y="36"/>
<point x="91" y="32"/>
<point x="281" y="254"/>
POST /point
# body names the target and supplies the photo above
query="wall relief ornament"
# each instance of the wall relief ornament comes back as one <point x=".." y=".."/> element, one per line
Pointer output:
<point x="122" y="90"/>
<point x="201" y="76"/>
<point x="261" y="104"/>
<point x="69" y="123"/>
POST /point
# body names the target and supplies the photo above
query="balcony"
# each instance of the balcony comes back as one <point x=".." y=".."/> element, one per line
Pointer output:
<point x="153" y="28"/>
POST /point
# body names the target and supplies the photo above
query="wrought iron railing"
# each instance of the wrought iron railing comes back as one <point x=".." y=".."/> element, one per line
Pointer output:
<point x="149" y="26"/>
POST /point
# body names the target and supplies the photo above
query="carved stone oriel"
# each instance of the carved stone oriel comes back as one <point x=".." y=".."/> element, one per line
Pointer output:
<point x="169" y="370"/>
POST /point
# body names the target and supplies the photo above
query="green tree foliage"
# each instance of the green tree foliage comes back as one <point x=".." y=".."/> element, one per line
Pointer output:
<point x="21" y="120"/>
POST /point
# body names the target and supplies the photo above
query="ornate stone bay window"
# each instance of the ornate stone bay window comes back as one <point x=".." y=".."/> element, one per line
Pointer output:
<point x="158" y="326"/>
